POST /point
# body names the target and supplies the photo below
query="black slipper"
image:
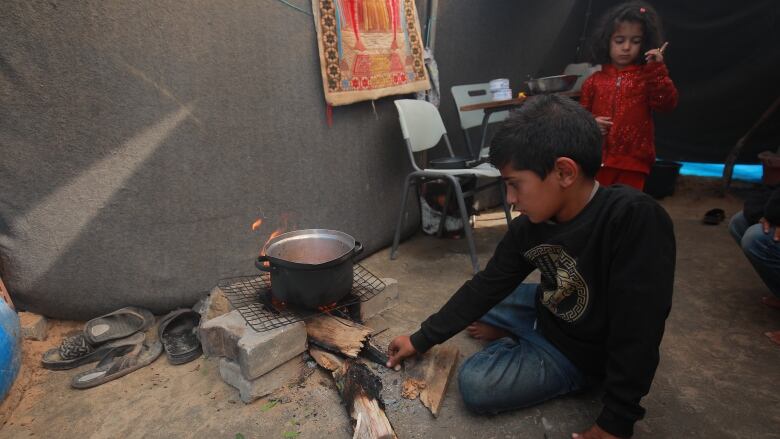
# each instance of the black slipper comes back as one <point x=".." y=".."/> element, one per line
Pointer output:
<point x="714" y="217"/>
<point x="179" y="335"/>
<point x="118" y="324"/>
<point x="75" y="351"/>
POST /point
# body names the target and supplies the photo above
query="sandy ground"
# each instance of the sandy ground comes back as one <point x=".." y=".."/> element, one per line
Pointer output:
<point x="718" y="376"/>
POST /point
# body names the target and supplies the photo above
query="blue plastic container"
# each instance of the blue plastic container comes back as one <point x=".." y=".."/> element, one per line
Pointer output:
<point x="10" y="348"/>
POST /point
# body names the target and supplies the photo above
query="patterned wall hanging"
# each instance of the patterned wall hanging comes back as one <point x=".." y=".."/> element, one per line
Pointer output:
<point x="369" y="49"/>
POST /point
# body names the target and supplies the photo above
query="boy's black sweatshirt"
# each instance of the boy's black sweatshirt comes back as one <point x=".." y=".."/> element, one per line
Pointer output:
<point x="606" y="290"/>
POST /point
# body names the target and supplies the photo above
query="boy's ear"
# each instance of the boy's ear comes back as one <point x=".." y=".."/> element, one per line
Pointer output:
<point x="566" y="170"/>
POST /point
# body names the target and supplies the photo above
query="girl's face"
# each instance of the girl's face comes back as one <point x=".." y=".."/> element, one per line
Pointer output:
<point x="624" y="44"/>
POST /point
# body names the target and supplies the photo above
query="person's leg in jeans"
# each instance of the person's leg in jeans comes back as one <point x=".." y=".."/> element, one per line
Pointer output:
<point x="764" y="255"/>
<point x="518" y="371"/>
<point x="737" y="227"/>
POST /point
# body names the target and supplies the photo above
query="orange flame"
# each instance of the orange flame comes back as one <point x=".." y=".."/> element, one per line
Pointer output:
<point x="278" y="304"/>
<point x="256" y="225"/>
<point x="327" y="308"/>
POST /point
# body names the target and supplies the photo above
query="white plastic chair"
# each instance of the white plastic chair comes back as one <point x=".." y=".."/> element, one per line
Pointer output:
<point x="584" y="70"/>
<point x="474" y="94"/>
<point x="423" y="129"/>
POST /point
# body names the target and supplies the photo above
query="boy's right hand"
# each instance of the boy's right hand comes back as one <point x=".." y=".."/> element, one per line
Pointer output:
<point x="604" y="123"/>
<point x="400" y="348"/>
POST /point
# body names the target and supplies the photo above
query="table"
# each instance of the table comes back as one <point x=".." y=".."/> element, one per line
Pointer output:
<point x="491" y="107"/>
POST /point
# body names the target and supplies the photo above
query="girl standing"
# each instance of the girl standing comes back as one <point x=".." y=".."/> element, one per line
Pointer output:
<point x="633" y="81"/>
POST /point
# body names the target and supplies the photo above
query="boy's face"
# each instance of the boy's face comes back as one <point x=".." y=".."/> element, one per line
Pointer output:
<point x="625" y="43"/>
<point x="539" y="199"/>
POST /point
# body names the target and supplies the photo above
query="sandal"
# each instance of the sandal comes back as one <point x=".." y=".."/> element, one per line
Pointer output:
<point x="714" y="217"/>
<point x="179" y="335"/>
<point x="119" y="362"/>
<point x="75" y="351"/>
<point x="118" y="324"/>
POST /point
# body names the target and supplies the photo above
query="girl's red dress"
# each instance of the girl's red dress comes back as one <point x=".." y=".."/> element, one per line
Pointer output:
<point x="628" y="96"/>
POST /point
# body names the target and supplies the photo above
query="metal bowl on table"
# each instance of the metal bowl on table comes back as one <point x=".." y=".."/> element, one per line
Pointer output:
<point x="552" y="84"/>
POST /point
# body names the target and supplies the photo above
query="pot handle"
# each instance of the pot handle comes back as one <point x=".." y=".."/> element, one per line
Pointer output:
<point x="358" y="249"/>
<point x="260" y="264"/>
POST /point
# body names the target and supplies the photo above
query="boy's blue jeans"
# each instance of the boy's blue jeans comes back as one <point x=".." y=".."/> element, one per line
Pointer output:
<point x="761" y="250"/>
<point x="513" y="373"/>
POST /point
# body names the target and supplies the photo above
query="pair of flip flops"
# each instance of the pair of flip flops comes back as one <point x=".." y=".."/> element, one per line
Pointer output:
<point x="121" y="344"/>
<point x="100" y="337"/>
<point x="120" y="362"/>
<point x="713" y="217"/>
<point x="176" y="334"/>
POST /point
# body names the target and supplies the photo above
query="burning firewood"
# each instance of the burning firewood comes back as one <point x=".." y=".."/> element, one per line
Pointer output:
<point x="337" y="334"/>
<point x="360" y="389"/>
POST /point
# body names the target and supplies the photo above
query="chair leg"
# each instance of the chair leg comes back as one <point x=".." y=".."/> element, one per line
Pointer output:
<point x="507" y="211"/>
<point x="468" y="145"/>
<point x="465" y="217"/>
<point x="401" y="212"/>
<point x="443" y="219"/>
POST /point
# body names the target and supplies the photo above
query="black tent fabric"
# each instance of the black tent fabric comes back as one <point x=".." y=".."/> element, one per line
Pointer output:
<point x="725" y="60"/>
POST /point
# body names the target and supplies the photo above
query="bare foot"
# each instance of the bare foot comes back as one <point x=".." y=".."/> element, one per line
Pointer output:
<point x="772" y="302"/>
<point x="483" y="331"/>
<point x="774" y="336"/>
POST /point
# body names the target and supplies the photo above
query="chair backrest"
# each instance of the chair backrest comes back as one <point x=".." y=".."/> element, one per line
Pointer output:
<point x="474" y="94"/>
<point x="584" y="70"/>
<point x="421" y="123"/>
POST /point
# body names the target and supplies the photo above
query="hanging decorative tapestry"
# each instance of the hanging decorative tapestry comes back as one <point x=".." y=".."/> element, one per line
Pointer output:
<point x="369" y="49"/>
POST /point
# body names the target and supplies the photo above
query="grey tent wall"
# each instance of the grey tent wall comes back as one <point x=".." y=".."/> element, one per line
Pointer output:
<point x="140" y="140"/>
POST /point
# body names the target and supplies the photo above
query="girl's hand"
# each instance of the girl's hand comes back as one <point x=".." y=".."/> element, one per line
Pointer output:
<point x="656" y="55"/>
<point x="604" y="123"/>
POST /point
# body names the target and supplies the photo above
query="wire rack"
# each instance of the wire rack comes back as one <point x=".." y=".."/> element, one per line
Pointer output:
<point x="251" y="296"/>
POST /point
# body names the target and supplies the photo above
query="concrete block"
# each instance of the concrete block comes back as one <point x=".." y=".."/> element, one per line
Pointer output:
<point x="250" y="390"/>
<point x="381" y="302"/>
<point x="261" y="352"/>
<point x="255" y="352"/>
<point x="34" y="326"/>
<point x="214" y="305"/>
<point x="219" y="336"/>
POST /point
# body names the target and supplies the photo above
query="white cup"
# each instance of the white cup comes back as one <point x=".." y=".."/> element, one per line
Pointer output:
<point x="502" y="94"/>
<point x="499" y="84"/>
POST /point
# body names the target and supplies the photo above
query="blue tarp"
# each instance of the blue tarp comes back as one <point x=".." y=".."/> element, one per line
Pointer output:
<point x="749" y="173"/>
<point x="10" y="348"/>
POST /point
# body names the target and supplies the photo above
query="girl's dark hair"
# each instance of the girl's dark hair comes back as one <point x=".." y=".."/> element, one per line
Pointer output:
<point x="545" y="128"/>
<point x="636" y="12"/>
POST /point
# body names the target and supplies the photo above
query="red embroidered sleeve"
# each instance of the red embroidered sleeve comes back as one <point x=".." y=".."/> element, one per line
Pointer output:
<point x="661" y="92"/>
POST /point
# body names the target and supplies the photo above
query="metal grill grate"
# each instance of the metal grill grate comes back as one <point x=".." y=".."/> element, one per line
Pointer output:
<point x="251" y="296"/>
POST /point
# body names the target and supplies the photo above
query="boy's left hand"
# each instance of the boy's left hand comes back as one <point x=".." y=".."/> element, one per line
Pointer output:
<point x="594" y="432"/>
<point x="656" y="55"/>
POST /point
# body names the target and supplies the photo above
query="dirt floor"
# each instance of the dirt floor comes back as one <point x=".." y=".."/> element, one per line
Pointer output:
<point x="718" y="377"/>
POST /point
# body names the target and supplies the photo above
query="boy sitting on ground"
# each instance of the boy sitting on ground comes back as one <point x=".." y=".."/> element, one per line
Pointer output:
<point x="606" y="257"/>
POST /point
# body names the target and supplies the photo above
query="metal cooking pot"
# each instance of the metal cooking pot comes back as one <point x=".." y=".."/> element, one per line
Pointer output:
<point x="552" y="84"/>
<point x="310" y="268"/>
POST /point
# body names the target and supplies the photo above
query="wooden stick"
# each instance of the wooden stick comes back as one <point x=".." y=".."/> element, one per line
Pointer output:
<point x="437" y="377"/>
<point x="337" y="334"/>
<point x="360" y="389"/>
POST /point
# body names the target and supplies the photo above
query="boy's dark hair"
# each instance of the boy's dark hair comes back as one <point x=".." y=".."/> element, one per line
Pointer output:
<point x="636" y="12"/>
<point x="545" y="128"/>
